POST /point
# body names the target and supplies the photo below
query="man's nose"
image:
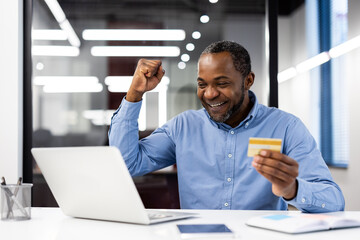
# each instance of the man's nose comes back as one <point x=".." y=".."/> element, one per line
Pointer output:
<point x="211" y="92"/>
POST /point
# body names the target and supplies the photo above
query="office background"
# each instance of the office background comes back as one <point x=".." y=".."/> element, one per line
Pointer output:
<point x="73" y="119"/>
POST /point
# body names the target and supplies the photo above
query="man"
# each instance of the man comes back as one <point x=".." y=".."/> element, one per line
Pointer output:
<point x="210" y="145"/>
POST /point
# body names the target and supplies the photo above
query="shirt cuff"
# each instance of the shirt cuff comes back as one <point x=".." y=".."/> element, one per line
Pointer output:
<point x="127" y="111"/>
<point x="303" y="199"/>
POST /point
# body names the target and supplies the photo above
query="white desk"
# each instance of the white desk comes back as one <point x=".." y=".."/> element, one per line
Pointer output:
<point x="52" y="224"/>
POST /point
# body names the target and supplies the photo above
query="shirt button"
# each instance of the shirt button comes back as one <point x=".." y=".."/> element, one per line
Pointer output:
<point x="226" y="204"/>
<point x="303" y="200"/>
<point x="232" y="132"/>
<point x="246" y="124"/>
<point x="229" y="155"/>
<point x="229" y="179"/>
<point x="323" y="205"/>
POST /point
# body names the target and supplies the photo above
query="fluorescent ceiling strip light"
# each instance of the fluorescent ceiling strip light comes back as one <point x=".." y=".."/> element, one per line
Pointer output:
<point x="313" y="62"/>
<point x="118" y="80"/>
<point x="63" y="51"/>
<point x="345" y="47"/>
<point x="98" y="117"/>
<point x="122" y="83"/>
<point x="134" y="34"/>
<point x="48" y="34"/>
<point x="64" y="24"/>
<point x="100" y="122"/>
<point x="118" y="83"/>
<point x="71" y="35"/>
<point x="142" y="115"/>
<point x="93" y="114"/>
<point x="56" y="10"/>
<point x="73" y="88"/>
<point x="67" y="84"/>
<point x="319" y="59"/>
<point x="135" y="51"/>
<point x="286" y="74"/>
<point x="162" y="106"/>
<point x="65" y="80"/>
<point x="162" y="86"/>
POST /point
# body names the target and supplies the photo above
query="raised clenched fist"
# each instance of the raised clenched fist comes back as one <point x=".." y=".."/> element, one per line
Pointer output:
<point x="147" y="76"/>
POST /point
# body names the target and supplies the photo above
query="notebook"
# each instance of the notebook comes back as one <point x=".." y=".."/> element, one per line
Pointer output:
<point x="303" y="222"/>
<point x="94" y="183"/>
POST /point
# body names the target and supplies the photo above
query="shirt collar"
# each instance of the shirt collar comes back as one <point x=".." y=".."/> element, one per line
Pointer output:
<point x="247" y="121"/>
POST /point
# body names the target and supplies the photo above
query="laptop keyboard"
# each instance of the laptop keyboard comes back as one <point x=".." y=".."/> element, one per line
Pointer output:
<point x="158" y="215"/>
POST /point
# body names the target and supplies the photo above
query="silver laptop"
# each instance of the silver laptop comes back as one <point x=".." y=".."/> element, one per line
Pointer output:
<point x="94" y="182"/>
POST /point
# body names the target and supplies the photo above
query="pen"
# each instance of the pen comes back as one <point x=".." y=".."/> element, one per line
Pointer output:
<point x="3" y="183"/>
<point x="18" y="183"/>
<point x="15" y="194"/>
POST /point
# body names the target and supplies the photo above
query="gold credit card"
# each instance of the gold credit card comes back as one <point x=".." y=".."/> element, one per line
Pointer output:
<point x="257" y="144"/>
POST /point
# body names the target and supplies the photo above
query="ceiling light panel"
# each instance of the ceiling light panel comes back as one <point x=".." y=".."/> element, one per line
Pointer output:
<point x="345" y="47"/>
<point x="134" y="34"/>
<point x="48" y="34"/>
<point x="64" y="24"/>
<point x="135" y="51"/>
<point x="122" y="83"/>
<point x="71" y="35"/>
<point x="61" y="51"/>
<point x="53" y="88"/>
<point x="65" y="80"/>
<point x="56" y="10"/>
<point x="313" y="62"/>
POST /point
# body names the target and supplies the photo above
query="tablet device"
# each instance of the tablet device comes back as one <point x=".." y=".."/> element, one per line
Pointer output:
<point x="188" y="231"/>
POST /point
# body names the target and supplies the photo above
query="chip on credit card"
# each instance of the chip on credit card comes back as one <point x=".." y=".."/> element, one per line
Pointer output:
<point x="257" y="144"/>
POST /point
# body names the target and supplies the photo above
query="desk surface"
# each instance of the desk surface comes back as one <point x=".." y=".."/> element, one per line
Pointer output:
<point x="52" y="224"/>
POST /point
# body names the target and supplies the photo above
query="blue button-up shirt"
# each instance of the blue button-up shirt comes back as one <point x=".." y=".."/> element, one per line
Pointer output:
<point x="214" y="171"/>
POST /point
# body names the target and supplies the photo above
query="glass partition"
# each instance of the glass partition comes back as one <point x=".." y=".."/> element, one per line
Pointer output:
<point x="85" y="52"/>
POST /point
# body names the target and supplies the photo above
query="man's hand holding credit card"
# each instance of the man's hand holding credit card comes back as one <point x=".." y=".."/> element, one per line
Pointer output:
<point x="278" y="168"/>
<point x="257" y="144"/>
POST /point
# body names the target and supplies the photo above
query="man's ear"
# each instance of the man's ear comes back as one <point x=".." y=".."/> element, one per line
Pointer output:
<point x="249" y="80"/>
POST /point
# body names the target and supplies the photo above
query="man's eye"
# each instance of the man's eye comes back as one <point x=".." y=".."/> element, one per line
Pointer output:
<point x="222" y="84"/>
<point x="201" y="85"/>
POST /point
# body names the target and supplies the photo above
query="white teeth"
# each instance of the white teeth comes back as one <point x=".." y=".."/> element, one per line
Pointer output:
<point x="215" y="105"/>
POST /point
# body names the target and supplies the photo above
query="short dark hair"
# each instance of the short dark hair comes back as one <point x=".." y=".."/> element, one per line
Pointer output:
<point x="239" y="54"/>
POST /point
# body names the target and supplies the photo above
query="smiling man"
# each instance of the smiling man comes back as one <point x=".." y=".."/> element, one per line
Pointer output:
<point x="210" y="145"/>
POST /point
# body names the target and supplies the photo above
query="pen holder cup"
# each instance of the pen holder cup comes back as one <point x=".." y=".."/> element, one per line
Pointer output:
<point x="15" y="202"/>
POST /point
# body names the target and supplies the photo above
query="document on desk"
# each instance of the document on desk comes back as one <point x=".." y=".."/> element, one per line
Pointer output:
<point x="257" y="144"/>
<point x="302" y="223"/>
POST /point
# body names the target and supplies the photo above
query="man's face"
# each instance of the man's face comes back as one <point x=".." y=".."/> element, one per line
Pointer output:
<point x="220" y="87"/>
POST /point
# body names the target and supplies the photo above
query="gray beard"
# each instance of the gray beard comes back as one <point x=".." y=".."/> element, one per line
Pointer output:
<point x="226" y="117"/>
